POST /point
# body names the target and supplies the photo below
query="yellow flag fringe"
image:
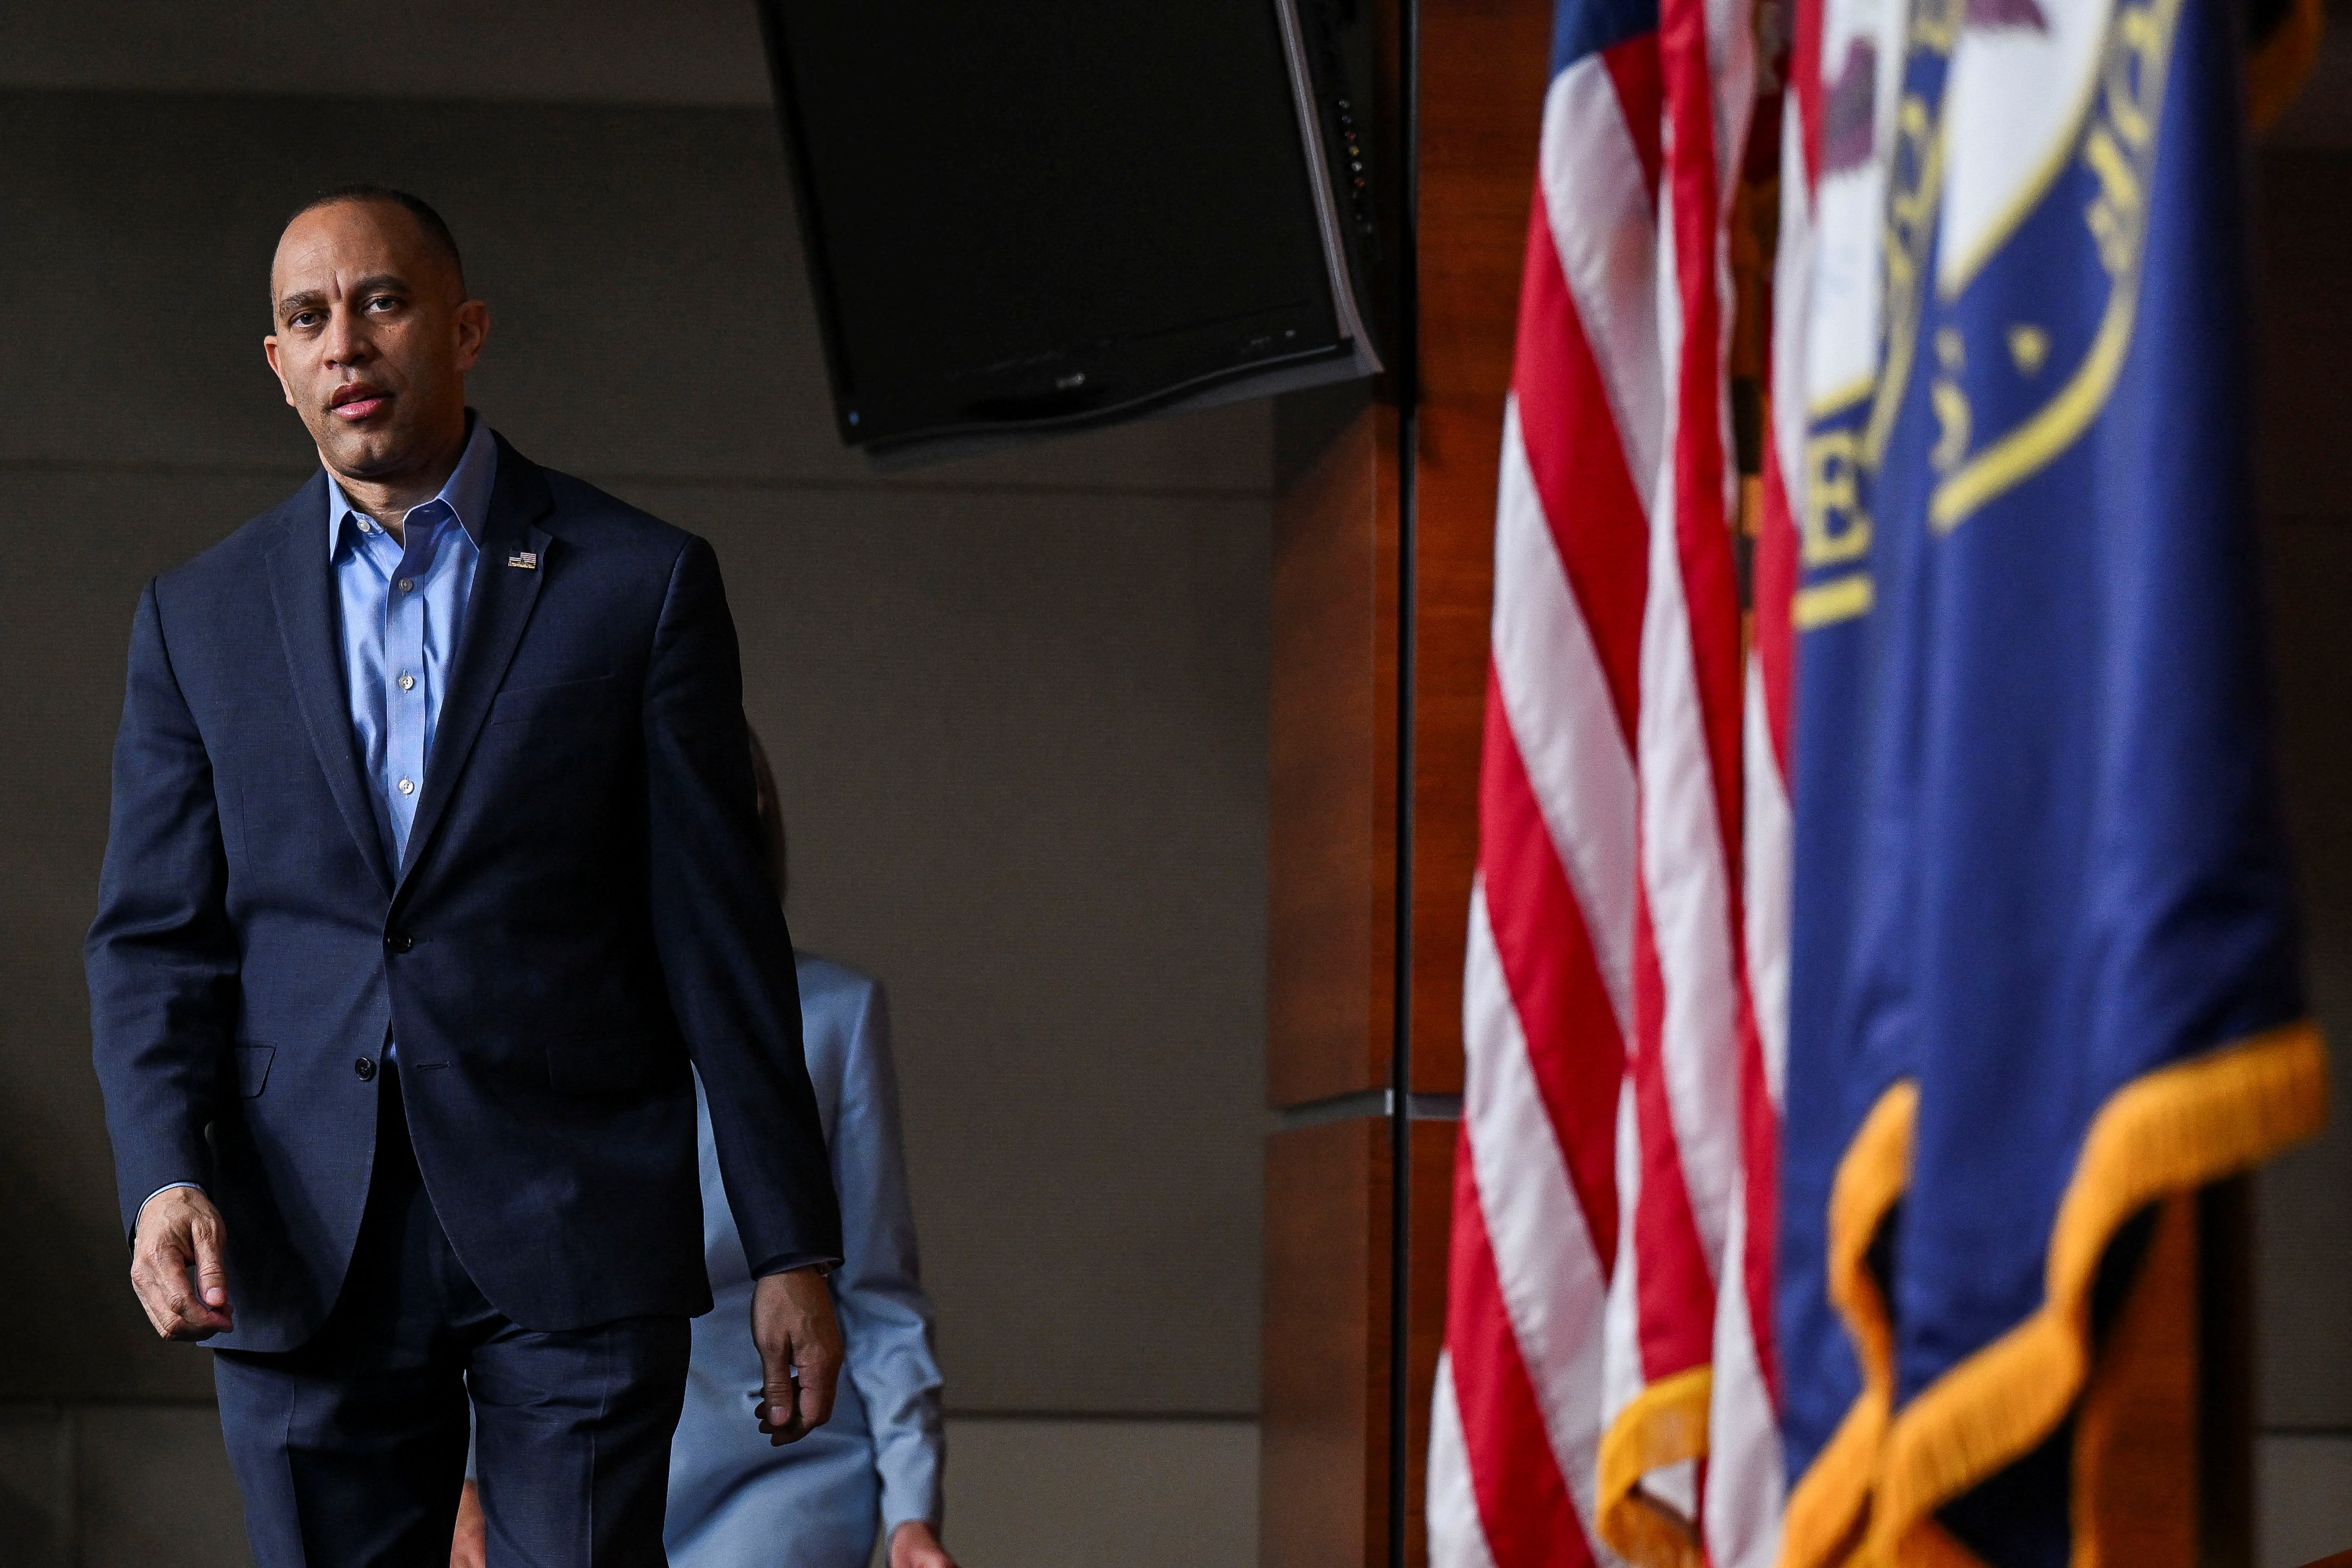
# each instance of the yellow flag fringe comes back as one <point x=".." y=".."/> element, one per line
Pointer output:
<point x="2162" y="1134"/>
<point x="1664" y="1425"/>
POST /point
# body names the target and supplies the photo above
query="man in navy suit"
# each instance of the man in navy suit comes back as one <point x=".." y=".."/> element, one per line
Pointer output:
<point x="433" y="864"/>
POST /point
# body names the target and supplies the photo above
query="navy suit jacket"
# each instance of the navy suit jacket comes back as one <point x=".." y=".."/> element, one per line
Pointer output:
<point x="582" y="911"/>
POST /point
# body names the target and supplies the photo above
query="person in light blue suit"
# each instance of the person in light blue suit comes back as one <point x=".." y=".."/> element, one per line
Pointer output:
<point x="732" y="1496"/>
<point x="735" y="1500"/>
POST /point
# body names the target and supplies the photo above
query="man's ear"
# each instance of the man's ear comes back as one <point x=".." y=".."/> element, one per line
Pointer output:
<point x="270" y="352"/>
<point x="473" y="330"/>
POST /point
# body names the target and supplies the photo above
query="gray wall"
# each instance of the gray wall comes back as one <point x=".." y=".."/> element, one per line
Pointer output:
<point x="1017" y="705"/>
<point x="2304" y="278"/>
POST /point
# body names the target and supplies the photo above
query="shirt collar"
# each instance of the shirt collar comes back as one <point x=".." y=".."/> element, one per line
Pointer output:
<point x="467" y="492"/>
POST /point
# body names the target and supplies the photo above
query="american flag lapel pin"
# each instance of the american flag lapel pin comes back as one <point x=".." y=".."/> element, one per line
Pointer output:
<point x="526" y="560"/>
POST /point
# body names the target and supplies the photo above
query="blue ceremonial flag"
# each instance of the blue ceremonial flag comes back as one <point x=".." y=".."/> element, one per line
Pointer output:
<point x="2044" y="973"/>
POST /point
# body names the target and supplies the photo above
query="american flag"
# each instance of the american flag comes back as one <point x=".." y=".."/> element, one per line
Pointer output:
<point x="1606" y="1389"/>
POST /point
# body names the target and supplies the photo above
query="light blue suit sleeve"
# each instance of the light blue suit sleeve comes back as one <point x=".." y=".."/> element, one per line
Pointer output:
<point x="885" y="1318"/>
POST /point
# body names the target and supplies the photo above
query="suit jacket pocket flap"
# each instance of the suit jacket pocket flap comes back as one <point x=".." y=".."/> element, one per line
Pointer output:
<point x="253" y="1068"/>
<point x="592" y="698"/>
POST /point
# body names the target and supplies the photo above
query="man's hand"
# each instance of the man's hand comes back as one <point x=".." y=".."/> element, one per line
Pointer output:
<point x="914" y="1545"/>
<point x="799" y="1354"/>
<point x="469" y="1546"/>
<point x="180" y="1230"/>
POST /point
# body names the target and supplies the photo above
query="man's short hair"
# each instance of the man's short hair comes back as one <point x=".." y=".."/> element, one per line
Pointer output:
<point x="435" y="231"/>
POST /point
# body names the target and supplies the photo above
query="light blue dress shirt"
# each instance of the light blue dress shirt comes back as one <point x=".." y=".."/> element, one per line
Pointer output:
<point x="403" y="603"/>
<point x="734" y="1501"/>
<point x="402" y="607"/>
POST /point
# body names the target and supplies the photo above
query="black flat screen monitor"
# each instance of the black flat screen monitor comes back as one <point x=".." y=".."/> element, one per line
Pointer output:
<point x="1023" y="218"/>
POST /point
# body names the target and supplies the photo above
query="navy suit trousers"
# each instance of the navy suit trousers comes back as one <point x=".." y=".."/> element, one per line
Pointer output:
<point x="351" y="1449"/>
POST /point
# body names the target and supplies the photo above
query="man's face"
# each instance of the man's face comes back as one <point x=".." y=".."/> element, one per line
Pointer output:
<point x="373" y="338"/>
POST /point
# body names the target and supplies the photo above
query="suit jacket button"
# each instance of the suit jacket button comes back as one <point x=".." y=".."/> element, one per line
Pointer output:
<point x="400" y="941"/>
<point x="366" y="1068"/>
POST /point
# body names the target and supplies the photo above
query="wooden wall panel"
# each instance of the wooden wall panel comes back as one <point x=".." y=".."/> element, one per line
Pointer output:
<point x="1324" y="1473"/>
<point x="1483" y="68"/>
<point x="1330" y="1409"/>
<point x="1324" y="1428"/>
<point x="1331" y="936"/>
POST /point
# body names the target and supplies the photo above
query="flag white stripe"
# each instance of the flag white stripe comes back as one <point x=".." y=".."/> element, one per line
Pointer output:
<point x="1457" y="1539"/>
<point x="1604" y="229"/>
<point x="1684" y="868"/>
<point x="1771" y="836"/>
<point x="1742" y="1505"/>
<point x="1744" y="1509"/>
<point x="1551" y="1278"/>
<point x="1622" y="1314"/>
<point x="1792" y="283"/>
<point x="1565" y="721"/>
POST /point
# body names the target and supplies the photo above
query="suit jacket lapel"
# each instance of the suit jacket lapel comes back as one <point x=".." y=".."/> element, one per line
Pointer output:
<point x="303" y="588"/>
<point x="496" y="614"/>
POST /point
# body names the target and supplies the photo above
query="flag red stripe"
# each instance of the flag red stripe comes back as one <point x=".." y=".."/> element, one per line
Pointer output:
<point x="1598" y="522"/>
<point x="1676" y="1294"/>
<point x="1703" y="535"/>
<point x="1760" y="1160"/>
<point x="1573" y="1044"/>
<point x="1522" y="1501"/>
<point x="1805" y="79"/>
<point x="1633" y="67"/>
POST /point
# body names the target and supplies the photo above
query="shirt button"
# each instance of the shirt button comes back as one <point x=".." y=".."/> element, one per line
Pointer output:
<point x="366" y="526"/>
<point x="406" y="583"/>
<point x="408" y="786"/>
<point x="366" y="1068"/>
<point x="408" y="683"/>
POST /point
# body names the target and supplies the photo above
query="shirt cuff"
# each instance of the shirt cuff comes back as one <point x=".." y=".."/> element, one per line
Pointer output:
<point x="167" y="1187"/>
<point x="785" y="1262"/>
